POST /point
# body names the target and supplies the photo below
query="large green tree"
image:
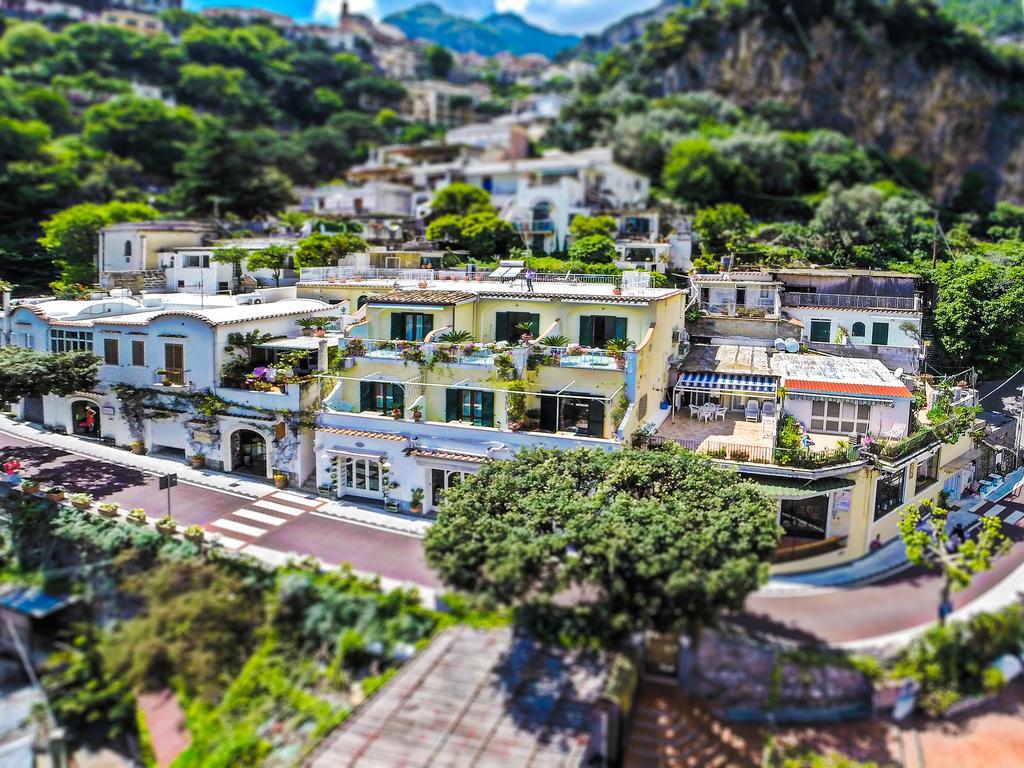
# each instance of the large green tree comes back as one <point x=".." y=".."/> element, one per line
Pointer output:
<point x="722" y="229"/>
<point x="27" y="373"/>
<point x="274" y="257"/>
<point x="659" y="540"/>
<point x="481" y="232"/>
<point x="979" y="317"/>
<point x="460" y="199"/>
<point x="323" y="250"/>
<point x="146" y="130"/>
<point x="227" y="172"/>
<point x="593" y="249"/>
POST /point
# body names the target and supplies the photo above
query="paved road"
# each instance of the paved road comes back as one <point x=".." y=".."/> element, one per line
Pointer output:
<point x="841" y="615"/>
<point x="392" y="555"/>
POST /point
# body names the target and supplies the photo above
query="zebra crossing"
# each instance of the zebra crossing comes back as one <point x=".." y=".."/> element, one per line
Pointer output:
<point x="246" y="525"/>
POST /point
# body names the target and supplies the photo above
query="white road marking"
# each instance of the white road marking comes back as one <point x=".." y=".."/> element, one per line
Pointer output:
<point x="294" y="498"/>
<point x="259" y="517"/>
<point x="264" y="504"/>
<point x="231" y="525"/>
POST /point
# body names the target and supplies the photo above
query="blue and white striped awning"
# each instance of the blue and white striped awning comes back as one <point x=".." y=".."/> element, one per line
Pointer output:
<point x="727" y="382"/>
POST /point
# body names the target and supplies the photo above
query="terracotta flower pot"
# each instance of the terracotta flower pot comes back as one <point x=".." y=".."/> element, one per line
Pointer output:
<point x="416" y="509"/>
<point x="82" y="505"/>
<point x="138" y="449"/>
<point x="280" y="481"/>
<point x="198" y="462"/>
<point x="28" y="486"/>
<point x="58" y="496"/>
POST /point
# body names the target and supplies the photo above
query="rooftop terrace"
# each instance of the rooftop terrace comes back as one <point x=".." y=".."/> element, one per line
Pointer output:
<point x="546" y="285"/>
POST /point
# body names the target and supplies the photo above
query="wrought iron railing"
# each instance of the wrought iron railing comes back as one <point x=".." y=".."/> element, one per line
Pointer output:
<point x="849" y="301"/>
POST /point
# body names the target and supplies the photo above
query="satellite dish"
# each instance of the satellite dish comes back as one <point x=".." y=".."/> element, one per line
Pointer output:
<point x="792" y="345"/>
<point x="898" y="373"/>
<point x="780" y="344"/>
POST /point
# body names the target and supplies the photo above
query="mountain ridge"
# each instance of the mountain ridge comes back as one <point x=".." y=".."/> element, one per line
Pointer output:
<point x="490" y="35"/>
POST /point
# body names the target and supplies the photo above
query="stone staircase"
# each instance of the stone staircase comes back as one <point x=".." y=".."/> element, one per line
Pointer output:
<point x="669" y="730"/>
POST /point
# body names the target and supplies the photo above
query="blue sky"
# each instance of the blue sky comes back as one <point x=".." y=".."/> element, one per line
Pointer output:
<point x="566" y="16"/>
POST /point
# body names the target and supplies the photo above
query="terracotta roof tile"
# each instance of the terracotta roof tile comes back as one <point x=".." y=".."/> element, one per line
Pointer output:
<point x="431" y="453"/>
<point x="344" y="432"/>
<point x="844" y="388"/>
<point x="422" y="297"/>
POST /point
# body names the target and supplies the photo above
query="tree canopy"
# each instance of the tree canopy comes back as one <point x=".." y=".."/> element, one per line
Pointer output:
<point x="323" y="250"/>
<point x="460" y="199"/>
<point x="593" y="249"/>
<point x="659" y="539"/>
<point x="27" y="373"/>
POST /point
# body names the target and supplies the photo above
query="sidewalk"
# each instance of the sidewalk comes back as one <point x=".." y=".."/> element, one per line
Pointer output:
<point x="887" y="561"/>
<point x="219" y="481"/>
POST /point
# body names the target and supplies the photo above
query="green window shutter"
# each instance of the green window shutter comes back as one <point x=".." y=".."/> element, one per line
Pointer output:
<point x="821" y="330"/>
<point x="620" y="328"/>
<point x="451" y="405"/>
<point x="397" y="325"/>
<point x="501" y="326"/>
<point x="534" y="321"/>
<point x="487" y="409"/>
<point x="397" y="396"/>
<point x="365" y="396"/>
<point x="595" y="419"/>
<point x="428" y="326"/>
<point x="880" y="334"/>
<point x="586" y="330"/>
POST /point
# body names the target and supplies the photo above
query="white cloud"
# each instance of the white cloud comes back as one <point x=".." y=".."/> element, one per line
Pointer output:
<point x="327" y="11"/>
<point x="511" y="6"/>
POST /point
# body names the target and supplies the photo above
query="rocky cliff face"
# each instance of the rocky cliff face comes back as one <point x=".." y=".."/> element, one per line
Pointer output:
<point x="952" y="115"/>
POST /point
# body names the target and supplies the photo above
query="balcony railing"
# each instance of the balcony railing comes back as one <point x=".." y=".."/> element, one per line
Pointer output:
<point x="757" y="454"/>
<point x="469" y="353"/>
<point x="579" y="357"/>
<point x="544" y="225"/>
<point x="432" y="276"/>
<point x="849" y="301"/>
<point x="760" y="308"/>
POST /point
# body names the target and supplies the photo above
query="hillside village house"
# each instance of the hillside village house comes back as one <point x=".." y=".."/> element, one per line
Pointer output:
<point x="864" y="313"/>
<point x="538" y="195"/>
<point x="835" y="440"/>
<point x="414" y="411"/>
<point x="179" y="393"/>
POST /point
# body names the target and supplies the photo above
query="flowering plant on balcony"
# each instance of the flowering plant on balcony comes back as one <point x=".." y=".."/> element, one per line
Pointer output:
<point x="355" y="347"/>
<point x="442" y="355"/>
<point x="413" y="354"/>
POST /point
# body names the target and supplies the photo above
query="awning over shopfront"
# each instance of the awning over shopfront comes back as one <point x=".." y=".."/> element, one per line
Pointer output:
<point x="777" y="488"/>
<point x="728" y="383"/>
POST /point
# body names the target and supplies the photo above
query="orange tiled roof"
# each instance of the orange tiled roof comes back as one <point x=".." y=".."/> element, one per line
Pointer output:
<point x="431" y="453"/>
<point x="361" y="433"/>
<point x="843" y="388"/>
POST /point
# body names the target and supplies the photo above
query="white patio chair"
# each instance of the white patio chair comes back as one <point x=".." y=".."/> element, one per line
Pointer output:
<point x="896" y="432"/>
<point x="753" y="411"/>
<point x="694" y="411"/>
<point x="720" y="412"/>
<point x="768" y="409"/>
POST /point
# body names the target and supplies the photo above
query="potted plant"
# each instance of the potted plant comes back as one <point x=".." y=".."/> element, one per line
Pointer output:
<point x="396" y="413"/>
<point x="306" y="324"/>
<point x="198" y="460"/>
<point x="108" y="509"/>
<point x="81" y="500"/>
<point x="137" y="516"/>
<point x="280" y="480"/>
<point x="195" y="533"/>
<point x="166" y="525"/>
<point x="417" y="413"/>
<point x="616" y="291"/>
<point x="421" y="284"/>
<point x="416" y="501"/>
<point x="54" y="493"/>
<point x="356" y="347"/>
<point x="138" y="447"/>
<point x="28" y="485"/>
<point x="391" y="506"/>
<point x="618" y="349"/>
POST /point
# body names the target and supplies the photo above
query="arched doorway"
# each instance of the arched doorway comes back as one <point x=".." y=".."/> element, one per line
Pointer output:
<point x="249" y="453"/>
<point x="85" y="418"/>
